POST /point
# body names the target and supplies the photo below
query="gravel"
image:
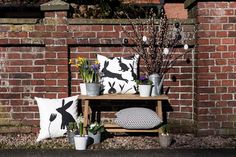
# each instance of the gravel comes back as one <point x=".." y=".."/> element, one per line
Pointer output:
<point x="131" y="142"/>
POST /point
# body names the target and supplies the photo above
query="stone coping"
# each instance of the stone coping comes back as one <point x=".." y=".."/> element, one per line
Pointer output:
<point x="120" y="21"/>
<point x="87" y="21"/>
<point x="19" y="21"/>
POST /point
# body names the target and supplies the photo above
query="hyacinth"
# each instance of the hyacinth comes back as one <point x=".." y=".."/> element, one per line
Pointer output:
<point x="88" y="72"/>
<point x="143" y="80"/>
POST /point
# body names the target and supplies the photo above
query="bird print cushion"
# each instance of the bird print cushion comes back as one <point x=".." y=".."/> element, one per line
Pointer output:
<point x="55" y="115"/>
<point x="118" y="74"/>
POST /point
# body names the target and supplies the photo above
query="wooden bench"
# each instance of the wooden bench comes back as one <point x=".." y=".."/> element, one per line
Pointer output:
<point x="86" y="102"/>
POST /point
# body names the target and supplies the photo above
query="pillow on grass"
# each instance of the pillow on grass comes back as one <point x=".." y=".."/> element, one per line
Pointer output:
<point x="55" y="114"/>
<point x="119" y="74"/>
<point x="137" y="118"/>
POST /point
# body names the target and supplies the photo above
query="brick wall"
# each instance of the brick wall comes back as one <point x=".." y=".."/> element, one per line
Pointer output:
<point x="34" y="56"/>
<point x="215" y="67"/>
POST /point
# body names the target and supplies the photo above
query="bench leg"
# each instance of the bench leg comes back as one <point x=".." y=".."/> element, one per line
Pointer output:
<point x="86" y="115"/>
<point x="159" y="111"/>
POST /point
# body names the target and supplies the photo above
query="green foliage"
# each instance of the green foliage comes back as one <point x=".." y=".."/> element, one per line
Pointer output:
<point x="72" y="126"/>
<point x="111" y="9"/>
<point x="165" y="129"/>
<point x="95" y="127"/>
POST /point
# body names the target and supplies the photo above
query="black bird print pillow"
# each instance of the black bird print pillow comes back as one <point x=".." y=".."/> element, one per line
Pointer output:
<point x="55" y="115"/>
<point x="118" y="74"/>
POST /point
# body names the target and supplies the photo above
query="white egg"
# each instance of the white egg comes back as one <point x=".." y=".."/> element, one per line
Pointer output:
<point x="165" y="51"/>
<point x="185" y="46"/>
<point x="144" y="38"/>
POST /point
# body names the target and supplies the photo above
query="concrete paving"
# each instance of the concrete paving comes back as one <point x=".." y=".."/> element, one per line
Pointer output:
<point x="121" y="153"/>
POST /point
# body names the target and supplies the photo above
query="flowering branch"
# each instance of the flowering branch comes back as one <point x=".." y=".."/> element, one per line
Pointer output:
<point x="155" y="42"/>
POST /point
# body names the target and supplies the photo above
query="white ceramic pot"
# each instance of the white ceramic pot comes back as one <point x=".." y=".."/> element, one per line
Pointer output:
<point x="145" y="90"/>
<point x="83" y="89"/>
<point x="80" y="142"/>
<point x="165" y="140"/>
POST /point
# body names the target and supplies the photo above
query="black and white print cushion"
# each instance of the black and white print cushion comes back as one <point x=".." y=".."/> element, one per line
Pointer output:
<point x="55" y="114"/>
<point x="119" y="74"/>
<point x="137" y="118"/>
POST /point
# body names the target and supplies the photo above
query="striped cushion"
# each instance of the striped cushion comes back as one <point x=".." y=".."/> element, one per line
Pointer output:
<point x="137" y="118"/>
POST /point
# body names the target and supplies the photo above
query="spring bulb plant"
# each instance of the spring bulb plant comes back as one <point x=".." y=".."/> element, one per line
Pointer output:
<point x="143" y="80"/>
<point x="96" y="127"/>
<point x="89" y="72"/>
<point x="80" y="123"/>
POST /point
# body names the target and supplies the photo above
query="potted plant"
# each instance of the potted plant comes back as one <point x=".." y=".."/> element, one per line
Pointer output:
<point x="94" y="131"/>
<point x="164" y="137"/>
<point x="144" y="86"/>
<point x="80" y="139"/>
<point x="156" y="42"/>
<point x="72" y="130"/>
<point x="90" y="75"/>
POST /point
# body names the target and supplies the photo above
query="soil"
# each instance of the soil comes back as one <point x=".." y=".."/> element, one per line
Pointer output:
<point x="127" y="142"/>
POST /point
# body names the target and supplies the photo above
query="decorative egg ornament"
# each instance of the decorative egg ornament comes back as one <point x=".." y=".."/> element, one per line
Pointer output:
<point x="185" y="46"/>
<point x="165" y="51"/>
<point x="144" y="38"/>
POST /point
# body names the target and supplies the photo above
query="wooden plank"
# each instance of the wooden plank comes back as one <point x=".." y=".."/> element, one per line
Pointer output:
<point x="113" y="127"/>
<point x="122" y="97"/>
<point x="127" y="130"/>
<point x="117" y="128"/>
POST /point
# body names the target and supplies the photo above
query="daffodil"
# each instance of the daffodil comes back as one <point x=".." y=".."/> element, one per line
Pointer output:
<point x="88" y="72"/>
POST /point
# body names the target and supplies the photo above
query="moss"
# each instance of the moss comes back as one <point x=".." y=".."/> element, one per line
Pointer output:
<point x="183" y="127"/>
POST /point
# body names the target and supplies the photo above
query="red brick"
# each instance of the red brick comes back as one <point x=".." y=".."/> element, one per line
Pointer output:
<point x="221" y="61"/>
<point x="227" y="83"/>
<point x="39" y="34"/>
<point x="227" y="111"/>
<point x="203" y="41"/>
<point x="221" y="34"/>
<point x="232" y="48"/>
<point x="232" y="5"/>
<point x="215" y="55"/>
<point x="222" y="5"/>
<point x="227" y="124"/>
<point x="203" y="111"/>
<point x="108" y="35"/>
<point x="221" y="90"/>
<point x="228" y="26"/>
<point x="49" y="28"/>
<point x="221" y="76"/>
<point x="221" y="118"/>
<point x="215" y="83"/>
<point x="216" y="26"/>
<point x="214" y="97"/>
<point x="232" y="33"/>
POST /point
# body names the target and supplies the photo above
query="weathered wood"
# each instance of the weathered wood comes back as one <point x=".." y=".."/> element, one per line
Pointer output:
<point x="85" y="100"/>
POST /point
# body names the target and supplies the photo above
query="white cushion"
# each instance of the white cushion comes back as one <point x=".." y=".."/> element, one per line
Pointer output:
<point x="137" y="118"/>
<point x="119" y="74"/>
<point x="55" y="114"/>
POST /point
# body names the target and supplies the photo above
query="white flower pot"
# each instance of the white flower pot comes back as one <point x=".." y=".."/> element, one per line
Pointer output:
<point x="145" y="90"/>
<point x="165" y="140"/>
<point x="83" y="89"/>
<point x="80" y="142"/>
